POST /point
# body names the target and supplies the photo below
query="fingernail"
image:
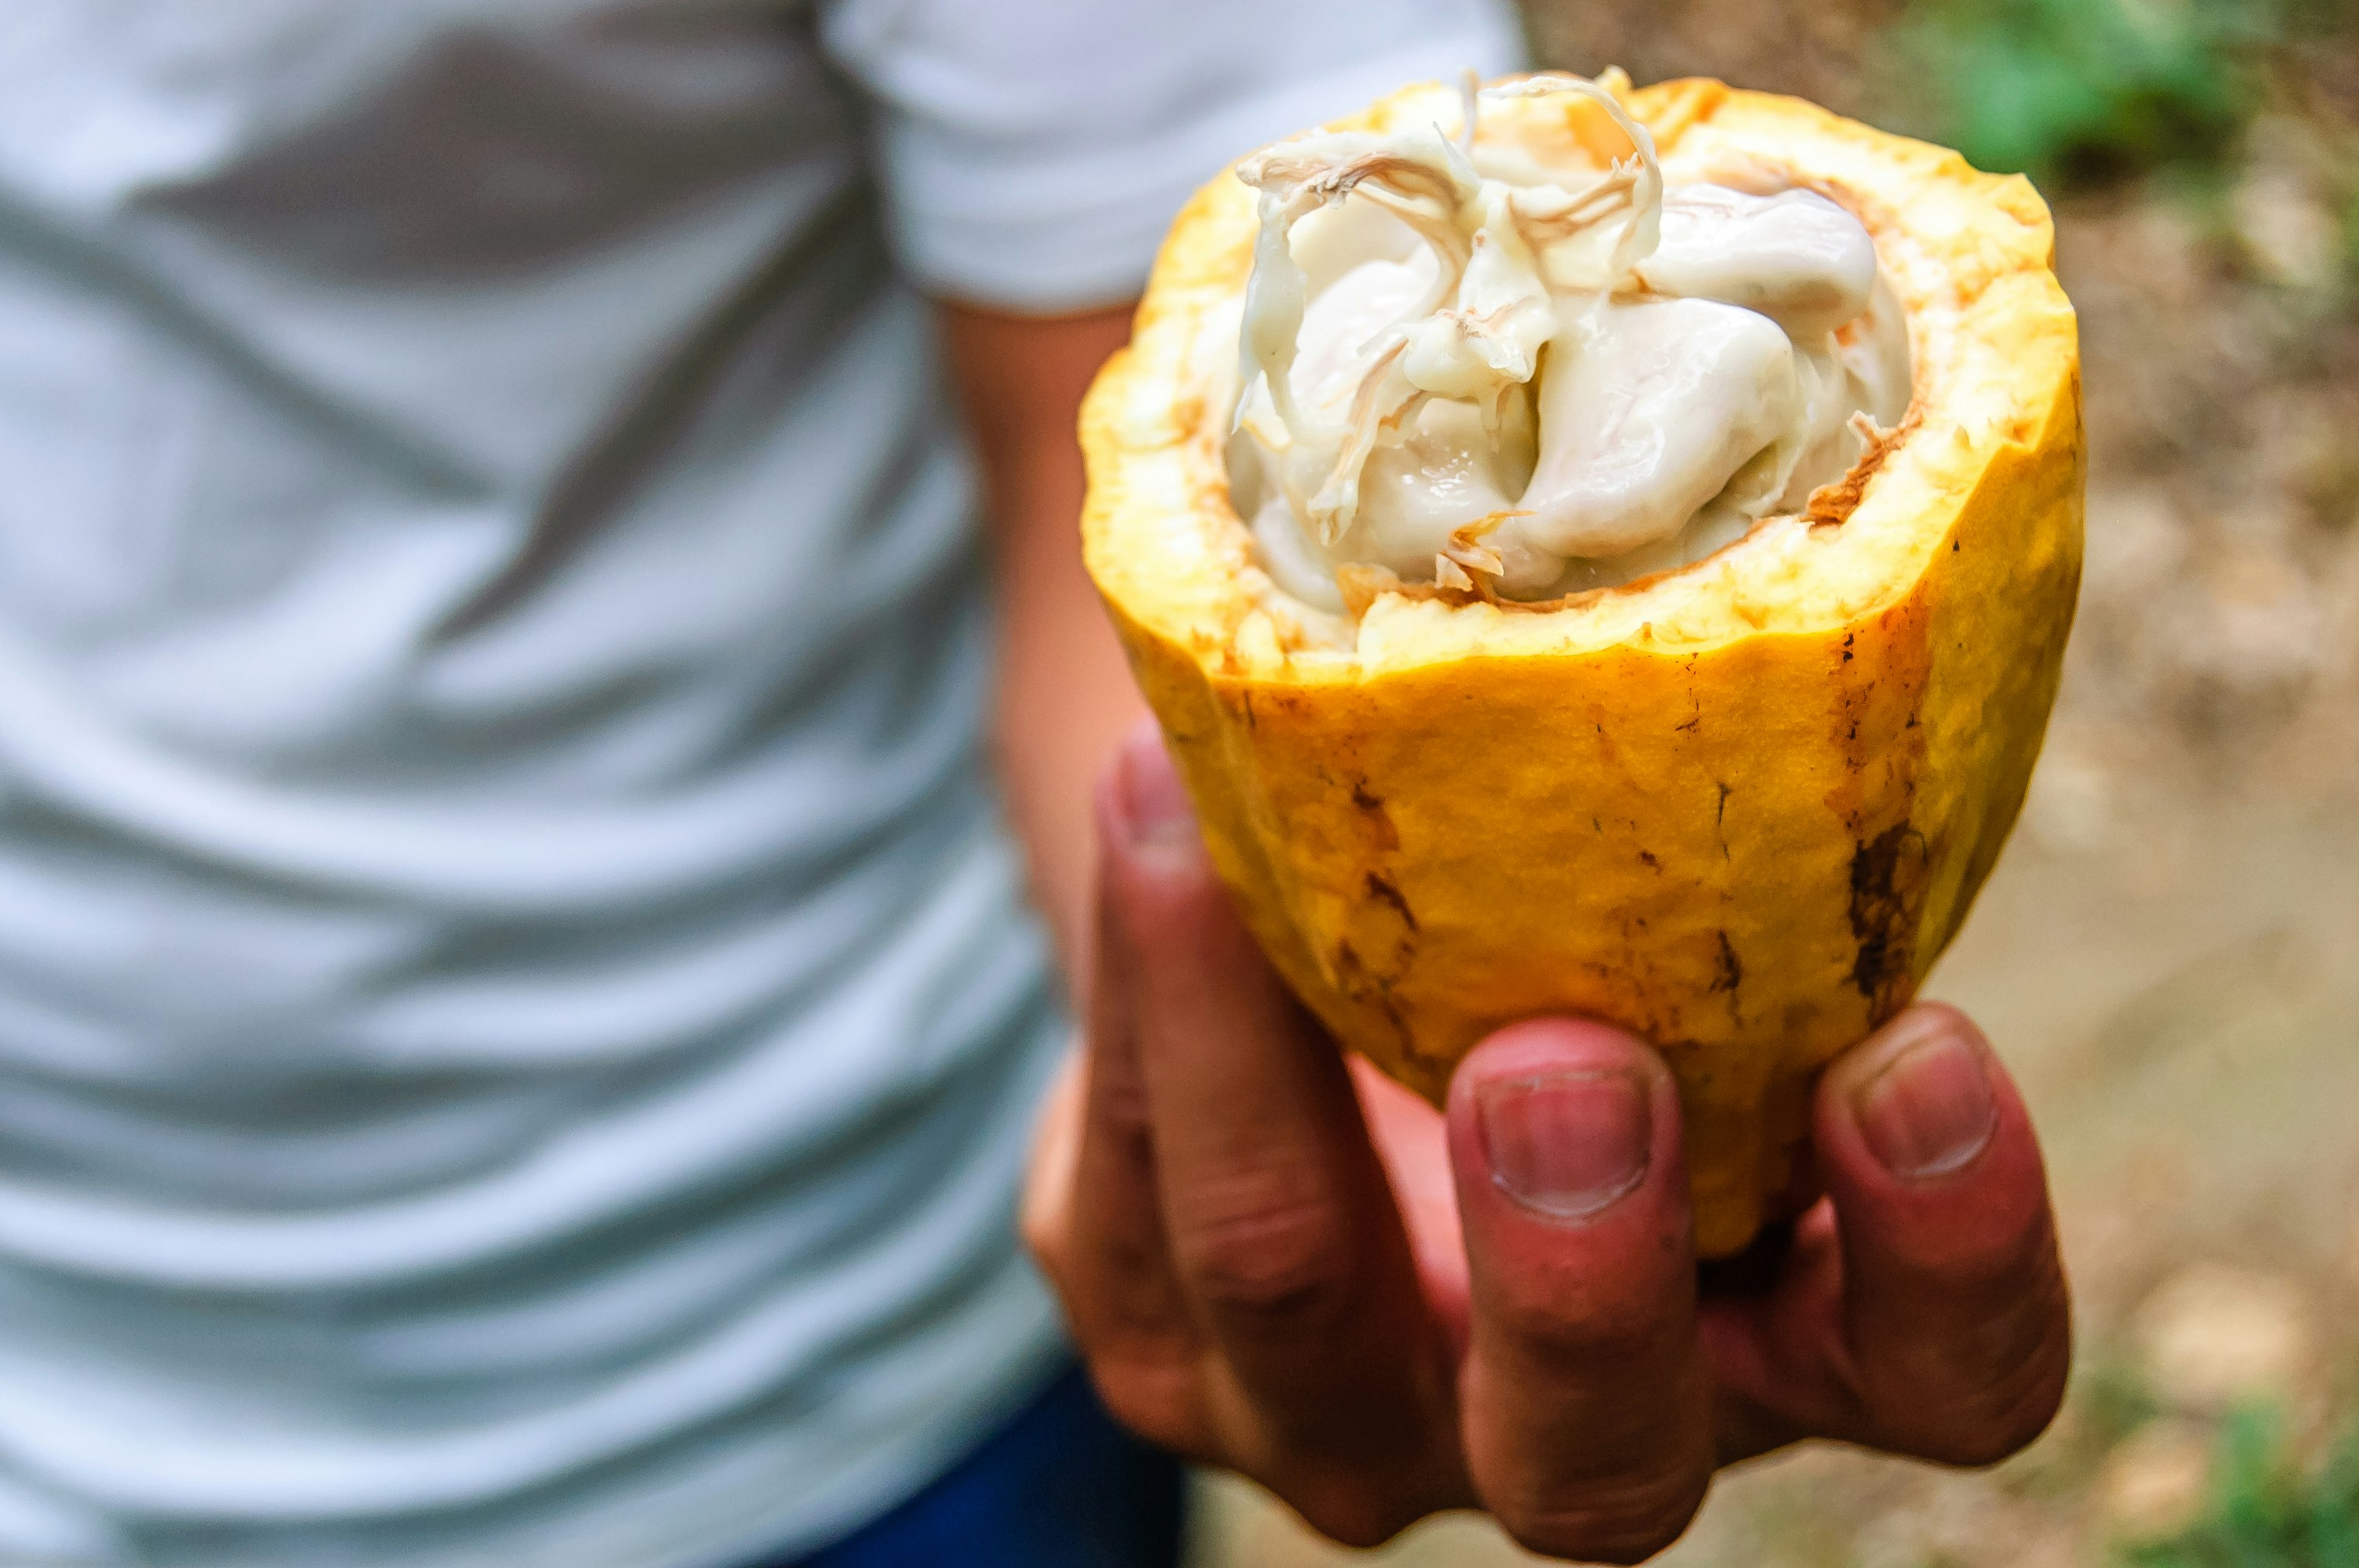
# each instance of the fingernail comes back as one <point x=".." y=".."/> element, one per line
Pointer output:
<point x="1567" y="1145"/>
<point x="1154" y="802"/>
<point x="1929" y="1110"/>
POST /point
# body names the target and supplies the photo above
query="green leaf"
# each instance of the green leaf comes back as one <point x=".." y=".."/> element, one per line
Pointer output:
<point x="2069" y="91"/>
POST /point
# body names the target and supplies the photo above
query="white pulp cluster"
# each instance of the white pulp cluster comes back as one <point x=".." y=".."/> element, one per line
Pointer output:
<point x="1462" y="371"/>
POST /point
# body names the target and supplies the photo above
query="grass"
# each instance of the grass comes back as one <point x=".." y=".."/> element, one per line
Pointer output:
<point x="2264" y="1509"/>
<point x="2078" y="92"/>
<point x="2083" y="95"/>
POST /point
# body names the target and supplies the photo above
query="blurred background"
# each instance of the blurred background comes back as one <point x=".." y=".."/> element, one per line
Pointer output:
<point x="2168" y="952"/>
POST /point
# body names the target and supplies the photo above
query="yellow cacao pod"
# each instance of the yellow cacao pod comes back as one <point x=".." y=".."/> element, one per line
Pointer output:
<point x="1738" y="808"/>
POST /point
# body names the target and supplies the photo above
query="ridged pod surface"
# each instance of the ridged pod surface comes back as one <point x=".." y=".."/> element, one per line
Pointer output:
<point x="1739" y="808"/>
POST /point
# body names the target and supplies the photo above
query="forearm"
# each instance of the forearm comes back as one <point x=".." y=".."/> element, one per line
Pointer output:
<point x="1064" y="693"/>
<point x="1065" y="697"/>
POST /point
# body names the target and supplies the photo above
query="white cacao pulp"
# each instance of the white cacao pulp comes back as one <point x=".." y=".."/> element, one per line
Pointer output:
<point x="1459" y="370"/>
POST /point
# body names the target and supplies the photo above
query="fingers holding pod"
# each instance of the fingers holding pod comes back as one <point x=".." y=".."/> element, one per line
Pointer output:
<point x="1955" y="1308"/>
<point x="1321" y="1369"/>
<point x="1585" y="1400"/>
<point x="1093" y="1214"/>
<point x="1922" y="1306"/>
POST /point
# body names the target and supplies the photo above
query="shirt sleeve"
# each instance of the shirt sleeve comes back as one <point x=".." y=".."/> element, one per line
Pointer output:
<point x="1033" y="151"/>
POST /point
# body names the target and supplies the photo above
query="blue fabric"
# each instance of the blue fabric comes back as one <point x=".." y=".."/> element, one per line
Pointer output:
<point x="1060" y="1487"/>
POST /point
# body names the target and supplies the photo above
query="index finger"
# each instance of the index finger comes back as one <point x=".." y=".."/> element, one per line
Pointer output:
<point x="1281" y="1223"/>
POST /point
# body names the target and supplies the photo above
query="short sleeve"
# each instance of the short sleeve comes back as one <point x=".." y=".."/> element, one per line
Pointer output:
<point x="1033" y="151"/>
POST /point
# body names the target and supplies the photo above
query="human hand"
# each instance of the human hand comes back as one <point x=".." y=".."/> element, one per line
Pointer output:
<point x="1287" y="1266"/>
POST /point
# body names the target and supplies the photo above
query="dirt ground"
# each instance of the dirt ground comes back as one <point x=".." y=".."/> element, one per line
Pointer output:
<point x="2165" y="952"/>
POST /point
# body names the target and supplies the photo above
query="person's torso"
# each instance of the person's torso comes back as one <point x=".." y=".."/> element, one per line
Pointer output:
<point x="510" y="984"/>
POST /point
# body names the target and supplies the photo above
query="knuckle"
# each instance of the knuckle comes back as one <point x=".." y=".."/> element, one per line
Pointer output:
<point x="1046" y="1248"/>
<point x="1977" y="1451"/>
<point x="1042" y="1231"/>
<point x="2007" y="1417"/>
<point x="1987" y="1402"/>
<point x="1123" y="1114"/>
<point x="1350" y="1514"/>
<point x="1154" y="1396"/>
<point x="1623" y="1520"/>
<point x="1268" y="1246"/>
<point x="1363" y="1500"/>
